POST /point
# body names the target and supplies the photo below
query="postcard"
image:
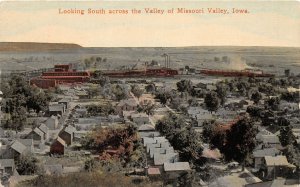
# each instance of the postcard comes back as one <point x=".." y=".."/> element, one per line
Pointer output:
<point x="149" y="93"/>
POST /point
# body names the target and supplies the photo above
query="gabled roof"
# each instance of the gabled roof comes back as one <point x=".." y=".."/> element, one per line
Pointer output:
<point x="158" y="139"/>
<point x="18" y="146"/>
<point x="43" y="128"/>
<point x="266" y="152"/>
<point x="56" y="107"/>
<point x="64" y="100"/>
<point x="277" y="161"/>
<point x="149" y="134"/>
<point x="273" y="139"/>
<point x="160" y="159"/>
<point x="70" y="129"/>
<point x="146" y="127"/>
<point x="38" y="132"/>
<point x="61" y="141"/>
<point x="7" y="163"/>
<point x="26" y="142"/>
<point x="177" y="166"/>
<point x="164" y="150"/>
<point x="52" y="118"/>
<point x="153" y="171"/>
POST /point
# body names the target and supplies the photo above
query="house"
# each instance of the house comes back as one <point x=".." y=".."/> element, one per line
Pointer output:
<point x="271" y="141"/>
<point x="277" y="166"/>
<point x="56" y="109"/>
<point x="260" y="154"/>
<point x="7" y="166"/>
<point x="89" y="123"/>
<point x="82" y="94"/>
<point x="153" y="173"/>
<point x="284" y="105"/>
<point x="36" y="134"/>
<point x="52" y="123"/>
<point x="115" y="119"/>
<point x="140" y="118"/>
<point x="201" y="118"/>
<point x="68" y="134"/>
<point x="45" y="130"/>
<point x="65" y="101"/>
<point x="29" y="144"/>
<point x="126" y="105"/>
<point x="148" y="134"/>
<point x="279" y="182"/>
<point x="159" y="139"/>
<point x="58" y="147"/>
<point x="165" y="157"/>
<point x="81" y="112"/>
<point x="194" y="111"/>
<point x="127" y="114"/>
<point x="14" y="150"/>
<point x="176" y="169"/>
<point x="146" y="128"/>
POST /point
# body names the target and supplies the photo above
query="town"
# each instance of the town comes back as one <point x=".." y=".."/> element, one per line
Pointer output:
<point x="153" y="125"/>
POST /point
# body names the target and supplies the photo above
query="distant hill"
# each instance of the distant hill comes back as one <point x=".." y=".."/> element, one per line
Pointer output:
<point x="32" y="46"/>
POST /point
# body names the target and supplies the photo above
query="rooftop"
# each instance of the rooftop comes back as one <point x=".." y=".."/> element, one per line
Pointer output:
<point x="277" y="161"/>
<point x="177" y="166"/>
<point x="266" y="152"/>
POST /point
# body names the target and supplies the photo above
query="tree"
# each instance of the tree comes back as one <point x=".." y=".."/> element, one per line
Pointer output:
<point x="286" y="136"/>
<point x="282" y="121"/>
<point x="162" y="97"/>
<point x="208" y="131"/>
<point x="272" y="103"/>
<point x="240" y="140"/>
<point x="211" y="101"/>
<point x="222" y="92"/>
<point x="256" y="97"/>
<point x="119" y="92"/>
<point x="104" y="109"/>
<point x="181" y="136"/>
<point x="193" y="102"/>
<point x="184" y="86"/>
<point x="27" y="165"/>
<point x="137" y="92"/>
<point x="93" y="92"/>
<point x="148" y="108"/>
<point x="150" y="88"/>
<point x="90" y="164"/>
<point x="254" y="111"/>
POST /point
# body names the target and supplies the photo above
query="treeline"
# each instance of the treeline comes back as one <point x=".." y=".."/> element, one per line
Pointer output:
<point x="20" y="98"/>
<point x="88" y="179"/>
<point x="118" y="143"/>
<point x="237" y="137"/>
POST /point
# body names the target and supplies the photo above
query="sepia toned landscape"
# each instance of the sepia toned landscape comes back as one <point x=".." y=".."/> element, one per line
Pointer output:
<point x="177" y="116"/>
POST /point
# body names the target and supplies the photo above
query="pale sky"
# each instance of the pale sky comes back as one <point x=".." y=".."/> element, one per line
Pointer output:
<point x="267" y="24"/>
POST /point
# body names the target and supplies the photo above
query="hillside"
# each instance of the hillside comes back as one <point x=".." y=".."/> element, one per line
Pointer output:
<point x="31" y="46"/>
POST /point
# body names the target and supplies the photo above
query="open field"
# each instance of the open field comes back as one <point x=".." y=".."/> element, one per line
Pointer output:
<point x="269" y="59"/>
